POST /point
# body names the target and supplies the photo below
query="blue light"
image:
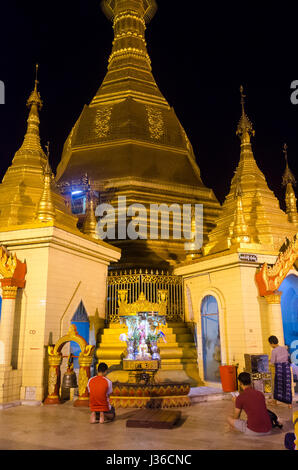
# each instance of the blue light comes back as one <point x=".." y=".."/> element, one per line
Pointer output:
<point x="76" y="192"/>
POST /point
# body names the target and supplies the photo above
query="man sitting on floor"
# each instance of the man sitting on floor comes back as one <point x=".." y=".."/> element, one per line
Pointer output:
<point x="100" y="389"/>
<point x="253" y="403"/>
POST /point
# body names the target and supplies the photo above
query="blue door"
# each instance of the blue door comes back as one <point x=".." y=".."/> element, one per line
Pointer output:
<point x="289" y="309"/>
<point x="210" y="339"/>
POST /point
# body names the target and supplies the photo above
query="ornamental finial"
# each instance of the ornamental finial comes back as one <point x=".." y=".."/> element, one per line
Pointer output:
<point x="242" y="101"/>
<point x="245" y="128"/>
<point x="46" y="207"/>
<point x="288" y="176"/>
<point x="34" y="98"/>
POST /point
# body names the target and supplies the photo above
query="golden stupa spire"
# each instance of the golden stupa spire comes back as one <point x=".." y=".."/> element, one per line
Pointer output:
<point x="89" y="225"/>
<point x="31" y="141"/>
<point x="46" y="208"/>
<point x="129" y="21"/>
<point x="129" y="66"/>
<point x="288" y="176"/>
<point x="288" y="180"/>
<point x="34" y="98"/>
<point x="245" y="128"/>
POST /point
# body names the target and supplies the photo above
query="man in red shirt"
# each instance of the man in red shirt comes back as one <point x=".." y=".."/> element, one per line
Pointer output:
<point x="100" y="389"/>
<point x="253" y="403"/>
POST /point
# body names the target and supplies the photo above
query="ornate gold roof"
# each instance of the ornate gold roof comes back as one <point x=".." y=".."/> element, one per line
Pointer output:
<point x="255" y="211"/>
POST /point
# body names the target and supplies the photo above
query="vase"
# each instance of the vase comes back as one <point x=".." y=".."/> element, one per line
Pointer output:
<point x="130" y="350"/>
<point x="154" y="351"/>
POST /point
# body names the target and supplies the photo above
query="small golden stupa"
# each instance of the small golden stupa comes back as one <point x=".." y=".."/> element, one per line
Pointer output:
<point x="28" y="194"/>
<point x="251" y="215"/>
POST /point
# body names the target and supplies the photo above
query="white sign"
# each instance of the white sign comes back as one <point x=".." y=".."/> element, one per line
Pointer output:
<point x="248" y="257"/>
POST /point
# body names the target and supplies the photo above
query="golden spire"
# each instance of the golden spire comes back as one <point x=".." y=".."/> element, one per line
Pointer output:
<point x="245" y="127"/>
<point x="288" y="180"/>
<point x="46" y="209"/>
<point x="90" y="223"/>
<point x="129" y="66"/>
<point x="34" y="98"/>
<point x="288" y="176"/>
<point x="31" y="143"/>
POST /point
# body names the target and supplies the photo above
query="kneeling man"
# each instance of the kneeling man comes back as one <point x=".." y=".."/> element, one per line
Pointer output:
<point x="100" y="389"/>
<point x="253" y="403"/>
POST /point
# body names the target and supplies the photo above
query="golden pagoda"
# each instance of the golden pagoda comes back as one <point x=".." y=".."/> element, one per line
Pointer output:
<point x="253" y="218"/>
<point x="130" y="141"/>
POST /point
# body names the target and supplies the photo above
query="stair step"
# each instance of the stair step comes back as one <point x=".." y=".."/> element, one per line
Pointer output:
<point x="180" y="330"/>
<point x="184" y="337"/>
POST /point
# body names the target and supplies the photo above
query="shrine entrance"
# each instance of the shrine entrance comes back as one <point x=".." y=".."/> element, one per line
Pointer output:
<point x="210" y="339"/>
<point x="289" y="308"/>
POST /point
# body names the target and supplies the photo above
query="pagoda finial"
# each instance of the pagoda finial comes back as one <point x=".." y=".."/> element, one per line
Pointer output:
<point x="148" y="7"/>
<point x="245" y="127"/>
<point x="46" y="208"/>
<point x="288" y="180"/>
<point x="90" y="223"/>
<point x="34" y="98"/>
<point x="288" y="176"/>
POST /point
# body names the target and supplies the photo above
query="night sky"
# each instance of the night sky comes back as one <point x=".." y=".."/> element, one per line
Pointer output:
<point x="200" y="57"/>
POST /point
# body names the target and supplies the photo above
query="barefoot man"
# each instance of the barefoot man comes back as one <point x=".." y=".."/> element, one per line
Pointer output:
<point x="100" y="389"/>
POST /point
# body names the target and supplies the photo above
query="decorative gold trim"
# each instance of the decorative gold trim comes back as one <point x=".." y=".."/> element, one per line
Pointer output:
<point x="9" y="292"/>
<point x="142" y="304"/>
<point x="273" y="298"/>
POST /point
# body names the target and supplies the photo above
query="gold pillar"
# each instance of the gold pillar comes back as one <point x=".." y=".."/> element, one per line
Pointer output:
<point x="9" y="293"/>
<point x="275" y="324"/>
<point x="54" y="377"/>
<point x="85" y="362"/>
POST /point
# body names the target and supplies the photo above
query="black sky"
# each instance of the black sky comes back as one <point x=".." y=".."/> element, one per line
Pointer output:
<point x="200" y="56"/>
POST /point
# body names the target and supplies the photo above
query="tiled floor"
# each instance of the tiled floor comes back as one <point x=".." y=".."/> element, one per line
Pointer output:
<point x="60" y="427"/>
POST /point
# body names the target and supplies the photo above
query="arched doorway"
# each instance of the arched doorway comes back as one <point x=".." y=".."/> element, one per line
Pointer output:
<point x="289" y="309"/>
<point x="210" y="338"/>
